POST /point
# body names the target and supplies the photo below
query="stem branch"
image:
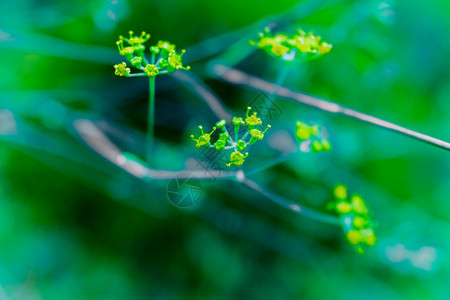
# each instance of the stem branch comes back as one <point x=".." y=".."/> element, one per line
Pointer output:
<point x="291" y="205"/>
<point x="242" y="79"/>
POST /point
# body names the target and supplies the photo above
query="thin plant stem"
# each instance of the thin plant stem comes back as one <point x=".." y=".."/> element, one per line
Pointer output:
<point x="205" y="93"/>
<point x="257" y="230"/>
<point x="270" y="163"/>
<point x="291" y="205"/>
<point x="99" y="142"/>
<point x="151" y="113"/>
<point x="137" y="75"/>
<point x="279" y="83"/>
<point x="242" y="79"/>
<point x="281" y="78"/>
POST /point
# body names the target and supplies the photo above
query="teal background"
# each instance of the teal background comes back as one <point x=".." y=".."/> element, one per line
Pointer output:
<point x="73" y="226"/>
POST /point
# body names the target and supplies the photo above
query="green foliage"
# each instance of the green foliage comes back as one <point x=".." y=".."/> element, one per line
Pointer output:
<point x="75" y="226"/>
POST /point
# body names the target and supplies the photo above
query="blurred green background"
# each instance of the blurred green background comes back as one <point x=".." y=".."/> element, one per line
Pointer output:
<point x="73" y="226"/>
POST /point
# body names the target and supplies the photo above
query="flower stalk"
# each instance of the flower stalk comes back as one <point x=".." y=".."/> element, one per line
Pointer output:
<point x="164" y="60"/>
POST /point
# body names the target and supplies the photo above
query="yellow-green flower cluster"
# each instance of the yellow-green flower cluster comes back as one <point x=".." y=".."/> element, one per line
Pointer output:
<point x="135" y="44"/>
<point x="237" y="144"/>
<point x="356" y="218"/>
<point x="300" y="45"/>
<point x="121" y="69"/>
<point x="164" y="60"/>
<point x="312" y="138"/>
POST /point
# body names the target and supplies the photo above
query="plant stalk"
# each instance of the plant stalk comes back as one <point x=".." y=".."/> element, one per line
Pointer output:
<point x="151" y="114"/>
<point x="240" y="78"/>
<point x="278" y="84"/>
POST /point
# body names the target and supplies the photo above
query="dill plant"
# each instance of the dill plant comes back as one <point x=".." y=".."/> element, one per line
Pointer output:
<point x="353" y="215"/>
<point x="164" y="59"/>
<point x="237" y="143"/>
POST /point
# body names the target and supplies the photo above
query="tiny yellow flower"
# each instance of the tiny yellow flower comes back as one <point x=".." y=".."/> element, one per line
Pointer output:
<point x="237" y="158"/>
<point x="136" y="40"/>
<point x="151" y="70"/>
<point x="204" y="138"/>
<point x="175" y="61"/>
<point x="354" y="237"/>
<point x="343" y="207"/>
<point x="358" y="221"/>
<point x="124" y="50"/>
<point x="166" y="46"/>
<point x="252" y="120"/>
<point x="358" y="205"/>
<point x="340" y="191"/>
<point x="121" y="69"/>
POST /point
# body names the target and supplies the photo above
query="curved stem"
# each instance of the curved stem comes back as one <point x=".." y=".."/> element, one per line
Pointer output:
<point x="278" y="84"/>
<point x="242" y="79"/>
<point x="99" y="142"/>
<point x="131" y="164"/>
<point x="270" y="163"/>
<point x="291" y="205"/>
<point x="199" y="88"/>
<point x="281" y="78"/>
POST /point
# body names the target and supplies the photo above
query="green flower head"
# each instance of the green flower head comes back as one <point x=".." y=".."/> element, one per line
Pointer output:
<point x="165" y="47"/>
<point x="204" y="138"/>
<point x="241" y="145"/>
<point x="121" y="69"/>
<point x="151" y="70"/>
<point x="163" y="64"/>
<point x="312" y="138"/>
<point x="238" y="121"/>
<point x="221" y="123"/>
<point x="126" y="51"/>
<point x="237" y="158"/>
<point x="239" y="141"/>
<point x="252" y="120"/>
<point x="305" y="131"/>
<point x="358" y="205"/>
<point x="135" y="44"/>
<point x="288" y="47"/>
<point x="135" y="40"/>
<point x="257" y="134"/>
<point x="272" y="44"/>
<point x="136" y="62"/>
<point x="175" y="61"/>
<point x="356" y="218"/>
<point x="224" y="136"/>
<point x="164" y="58"/>
<point x="340" y="191"/>
<point x="220" y="144"/>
